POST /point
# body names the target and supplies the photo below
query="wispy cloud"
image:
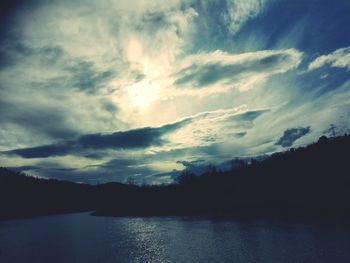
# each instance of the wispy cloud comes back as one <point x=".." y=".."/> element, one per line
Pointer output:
<point x="139" y="138"/>
<point x="241" y="11"/>
<point x="241" y="71"/>
<point x="340" y="58"/>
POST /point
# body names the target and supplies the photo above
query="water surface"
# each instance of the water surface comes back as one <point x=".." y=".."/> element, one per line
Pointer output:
<point x="84" y="238"/>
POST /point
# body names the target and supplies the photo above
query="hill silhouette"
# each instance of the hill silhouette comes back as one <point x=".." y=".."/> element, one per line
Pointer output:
<point x="312" y="180"/>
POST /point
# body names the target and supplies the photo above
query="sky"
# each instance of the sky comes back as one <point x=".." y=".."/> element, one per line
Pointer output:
<point x="115" y="90"/>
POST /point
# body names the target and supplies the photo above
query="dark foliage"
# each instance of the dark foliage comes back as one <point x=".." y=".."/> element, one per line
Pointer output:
<point x="314" y="180"/>
<point x="22" y="196"/>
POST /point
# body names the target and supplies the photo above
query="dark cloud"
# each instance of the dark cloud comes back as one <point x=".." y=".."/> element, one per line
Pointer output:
<point x="248" y="116"/>
<point x="48" y="168"/>
<point x="15" y="51"/>
<point x="82" y="74"/>
<point x="138" y="138"/>
<point x="48" y="121"/>
<point x="132" y="139"/>
<point x="200" y="74"/>
<point x="240" y="134"/>
<point x="120" y="162"/>
<point x="44" y="151"/>
<point x="86" y="77"/>
<point x="151" y="22"/>
<point x="109" y="106"/>
<point x="291" y="135"/>
<point x="244" y="121"/>
<point x="114" y="170"/>
<point x="191" y="163"/>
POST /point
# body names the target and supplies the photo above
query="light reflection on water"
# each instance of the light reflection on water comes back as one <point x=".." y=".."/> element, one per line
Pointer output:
<point x="145" y="240"/>
<point x="84" y="238"/>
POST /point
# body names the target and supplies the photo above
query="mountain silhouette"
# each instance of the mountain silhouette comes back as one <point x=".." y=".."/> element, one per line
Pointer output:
<point x="312" y="180"/>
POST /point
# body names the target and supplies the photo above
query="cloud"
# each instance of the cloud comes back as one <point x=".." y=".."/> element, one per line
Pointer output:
<point x="120" y="163"/>
<point x="50" y="122"/>
<point x="247" y="116"/>
<point x="197" y="130"/>
<point x="132" y="139"/>
<point x="240" y="11"/>
<point x="291" y="135"/>
<point x="125" y="168"/>
<point x="216" y="126"/>
<point x="196" y="166"/>
<point x="113" y="65"/>
<point x="52" y="64"/>
<point x="84" y="76"/>
<point x="240" y="71"/>
<point x="340" y="58"/>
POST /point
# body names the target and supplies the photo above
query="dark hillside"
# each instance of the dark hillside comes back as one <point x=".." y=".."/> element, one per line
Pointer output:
<point x="314" y="180"/>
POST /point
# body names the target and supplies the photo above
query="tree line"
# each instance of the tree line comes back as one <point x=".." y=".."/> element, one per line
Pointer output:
<point x="312" y="180"/>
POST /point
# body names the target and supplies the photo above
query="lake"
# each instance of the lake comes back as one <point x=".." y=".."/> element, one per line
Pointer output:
<point x="84" y="238"/>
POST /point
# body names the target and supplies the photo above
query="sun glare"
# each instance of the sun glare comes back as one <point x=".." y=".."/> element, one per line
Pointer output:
<point x="143" y="94"/>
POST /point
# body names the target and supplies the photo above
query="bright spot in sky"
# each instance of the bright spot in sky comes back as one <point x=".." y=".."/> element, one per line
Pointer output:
<point x="143" y="94"/>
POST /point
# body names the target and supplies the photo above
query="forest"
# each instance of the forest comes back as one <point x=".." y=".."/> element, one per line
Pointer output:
<point x="307" y="181"/>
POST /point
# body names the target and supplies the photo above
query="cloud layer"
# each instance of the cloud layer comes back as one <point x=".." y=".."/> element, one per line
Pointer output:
<point x="105" y="90"/>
